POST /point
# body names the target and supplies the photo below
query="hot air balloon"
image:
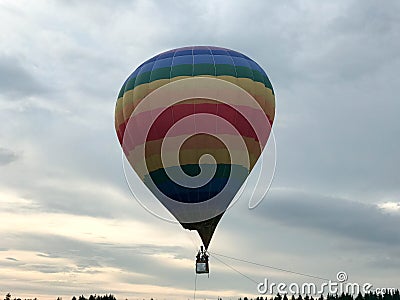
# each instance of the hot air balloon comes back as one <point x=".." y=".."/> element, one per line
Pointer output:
<point x="192" y="123"/>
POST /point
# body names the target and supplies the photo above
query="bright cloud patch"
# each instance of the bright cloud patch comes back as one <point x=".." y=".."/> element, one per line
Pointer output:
<point x="392" y="207"/>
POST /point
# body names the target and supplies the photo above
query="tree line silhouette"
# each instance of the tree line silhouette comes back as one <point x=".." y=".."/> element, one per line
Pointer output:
<point x="389" y="295"/>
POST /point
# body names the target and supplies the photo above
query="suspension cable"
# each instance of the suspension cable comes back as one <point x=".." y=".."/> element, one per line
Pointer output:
<point x="232" y="268"/>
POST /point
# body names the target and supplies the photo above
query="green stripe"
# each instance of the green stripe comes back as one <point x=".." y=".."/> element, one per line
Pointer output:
<point x="161" y="73"/>
<point x="122" y="90"/>
<point x="181" y="70"/>
<point x="130" y="85"/>
<point x="268" y="84"/>
<point x="203" y="69"/>
<point x="225" y="70"/>
<point x="259" y="77"/>
<point x="194" y="70"/>
<point x="244" y="72"/>
<point x="142" y="78"/>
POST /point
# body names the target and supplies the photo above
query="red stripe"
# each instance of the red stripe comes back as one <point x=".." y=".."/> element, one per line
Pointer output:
<point x="173" y="114"/>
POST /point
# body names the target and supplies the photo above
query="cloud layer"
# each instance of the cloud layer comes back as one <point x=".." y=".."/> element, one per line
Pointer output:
<point x="69" y="223"/>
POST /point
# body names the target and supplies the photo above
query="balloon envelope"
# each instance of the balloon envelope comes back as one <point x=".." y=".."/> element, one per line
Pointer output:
<point x="192" y="122"/>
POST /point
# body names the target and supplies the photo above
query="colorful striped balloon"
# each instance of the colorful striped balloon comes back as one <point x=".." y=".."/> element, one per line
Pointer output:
<point x="192" y="123"/>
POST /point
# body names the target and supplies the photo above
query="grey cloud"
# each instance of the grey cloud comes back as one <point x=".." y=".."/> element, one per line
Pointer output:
<point x="385" y="262"/>
<point x="12" y="259"/>
<point x="307" y="233"/>
<point x="348" y="42"/>
<point x="7" y="156"/>
<point x="136" y="262"/>
<point x="43" y="255"/>
<point x="83" y="153"/>
<point x="88" y="256"/>
<point x="16" y="79"/>
<point x="332" y="215"/>
<point x="342" y="125"/>
<point x="51" y="269"/>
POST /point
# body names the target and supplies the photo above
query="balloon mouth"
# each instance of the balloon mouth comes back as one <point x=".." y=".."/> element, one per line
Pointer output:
<point x="199" y="172"/>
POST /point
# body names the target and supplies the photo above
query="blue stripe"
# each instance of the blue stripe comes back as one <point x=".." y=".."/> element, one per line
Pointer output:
<point x="166" y="55"/>
<point x="239" y="61"/>
<point x="237" y="54"/>
<point x="196" y="195"/>
<point x="183" y="52"/>
<point x="223" y="59"/>
<point x="201" y="51"/>
<point x="203" y="59"/>
<point x="163" y="63"/>
<point x="146" y="68"/>
<point x="182" y="60"/>
<point x="235" y="173"/>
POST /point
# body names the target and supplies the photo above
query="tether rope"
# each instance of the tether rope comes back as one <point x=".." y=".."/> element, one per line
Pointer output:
<point x="266" y="266"/>
<point x="214" y="255"/>
<point x="195" y="286"/>
<point x="244" y="275"/>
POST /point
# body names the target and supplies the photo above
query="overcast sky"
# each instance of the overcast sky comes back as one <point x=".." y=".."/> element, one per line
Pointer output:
<point x="69" y="224"/>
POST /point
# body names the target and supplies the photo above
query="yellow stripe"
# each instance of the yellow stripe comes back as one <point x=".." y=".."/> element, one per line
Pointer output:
<point x="132" y="98"/>
<point x="152" y="154"/>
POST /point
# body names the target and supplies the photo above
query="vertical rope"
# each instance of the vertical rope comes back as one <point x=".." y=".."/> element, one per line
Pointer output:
<point x="195" y="286"/>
